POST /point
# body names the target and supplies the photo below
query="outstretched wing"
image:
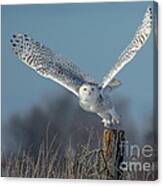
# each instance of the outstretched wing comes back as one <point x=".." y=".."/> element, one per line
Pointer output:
<point x="135" y="45"/>
<point x="48" y="63"/>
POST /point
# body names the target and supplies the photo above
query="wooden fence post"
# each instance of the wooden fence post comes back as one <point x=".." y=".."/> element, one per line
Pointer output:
<point x="113" y="152"/>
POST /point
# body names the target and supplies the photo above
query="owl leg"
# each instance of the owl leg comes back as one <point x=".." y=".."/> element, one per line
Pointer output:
<point x="115" y="117"/>
<point x="106" y="122"/>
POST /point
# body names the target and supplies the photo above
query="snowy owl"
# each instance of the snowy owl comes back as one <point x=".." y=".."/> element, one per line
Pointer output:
<point x="93" y="97"/>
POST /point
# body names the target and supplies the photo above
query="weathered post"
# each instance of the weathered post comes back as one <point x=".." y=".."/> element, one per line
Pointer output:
<point x="113" y="152"/>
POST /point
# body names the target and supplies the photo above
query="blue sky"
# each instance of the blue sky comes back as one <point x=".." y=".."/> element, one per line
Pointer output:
<point x="91" y="35"/>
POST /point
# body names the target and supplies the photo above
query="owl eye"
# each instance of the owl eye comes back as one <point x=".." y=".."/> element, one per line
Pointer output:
<point x="84" y="89"/>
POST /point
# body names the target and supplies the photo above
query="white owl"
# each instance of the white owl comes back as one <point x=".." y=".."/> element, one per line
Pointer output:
<point x="93" y="97"/>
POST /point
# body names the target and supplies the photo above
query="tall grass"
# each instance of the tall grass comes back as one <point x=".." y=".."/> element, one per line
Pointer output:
<point x="51" y="161"/>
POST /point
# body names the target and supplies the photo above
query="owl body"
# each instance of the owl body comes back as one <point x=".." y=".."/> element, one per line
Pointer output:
<point x="94" y="99"/>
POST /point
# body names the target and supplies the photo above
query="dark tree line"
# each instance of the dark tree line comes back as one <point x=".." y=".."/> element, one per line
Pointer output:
<point x="64" y="118"/>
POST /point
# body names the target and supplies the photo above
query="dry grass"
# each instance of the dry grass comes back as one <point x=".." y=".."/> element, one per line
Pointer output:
<point x="83" y="163"/>
<point x="52" y="162"/>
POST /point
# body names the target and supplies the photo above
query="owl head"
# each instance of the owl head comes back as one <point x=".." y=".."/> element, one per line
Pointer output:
<point x="89" y="92"/>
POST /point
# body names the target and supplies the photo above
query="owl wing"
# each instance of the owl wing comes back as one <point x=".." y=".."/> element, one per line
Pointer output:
<point x="135" y="45"/>
<point x="47" y="63"/>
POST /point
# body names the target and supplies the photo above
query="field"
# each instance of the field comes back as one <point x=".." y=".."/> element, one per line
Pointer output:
<point x="51" y="161"/>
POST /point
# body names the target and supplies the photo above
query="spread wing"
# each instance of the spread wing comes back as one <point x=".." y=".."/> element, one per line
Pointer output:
<point x="47" y="63"/>
<point x="135" y="45"/>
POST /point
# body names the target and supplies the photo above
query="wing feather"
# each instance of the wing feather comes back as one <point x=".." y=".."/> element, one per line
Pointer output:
<point x="135" y="45"/>
<point x="47" y="63"/>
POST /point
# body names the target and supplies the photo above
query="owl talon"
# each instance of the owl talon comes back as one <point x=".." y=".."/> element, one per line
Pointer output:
<point x="107" y="123"/>
<point x="115" y="121"/>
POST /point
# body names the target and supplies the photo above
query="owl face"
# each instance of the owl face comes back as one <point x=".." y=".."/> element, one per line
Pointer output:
<point x="88" y="92"/>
